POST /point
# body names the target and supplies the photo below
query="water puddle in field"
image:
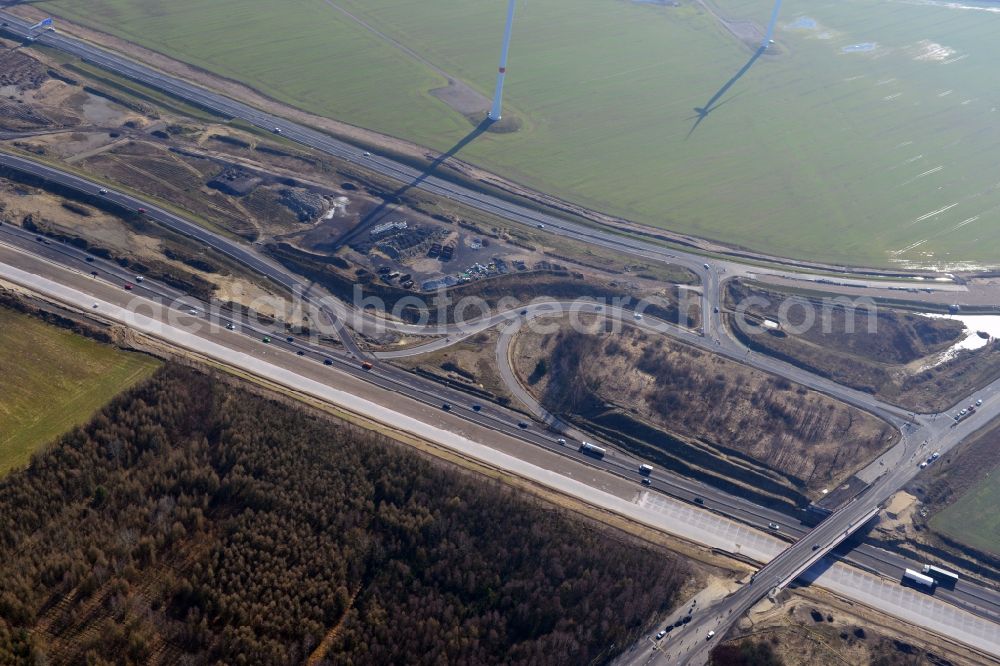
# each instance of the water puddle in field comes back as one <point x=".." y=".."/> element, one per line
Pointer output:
<point x="980" y="330"/>
<point x="926" y="50"/>
<point x="863" y="47"/>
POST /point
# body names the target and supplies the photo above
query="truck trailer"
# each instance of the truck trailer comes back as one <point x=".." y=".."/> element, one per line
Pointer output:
<point x="591" y="450"/>
<point x="918" y="580"/>
<point x="940" y="576"/>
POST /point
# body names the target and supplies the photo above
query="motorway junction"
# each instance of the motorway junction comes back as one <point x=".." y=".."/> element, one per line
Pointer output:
<point x="367" y="388"/>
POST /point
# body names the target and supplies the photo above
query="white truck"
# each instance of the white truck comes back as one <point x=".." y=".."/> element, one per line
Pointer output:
<point x="919" y="580"/>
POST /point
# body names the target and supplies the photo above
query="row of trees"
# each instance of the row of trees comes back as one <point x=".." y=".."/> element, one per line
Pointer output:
<point x="193" y="522"/>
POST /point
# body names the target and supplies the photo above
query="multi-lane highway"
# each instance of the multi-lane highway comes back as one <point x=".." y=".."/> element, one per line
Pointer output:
<point x="979" y="600"/>
<point x="715" y="337"/>
<point x="204" y="342"/>
<point x="408" y="176"/>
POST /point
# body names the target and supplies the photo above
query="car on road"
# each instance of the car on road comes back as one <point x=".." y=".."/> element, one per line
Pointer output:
<point x="935" y="455"/>
<point x="774" y="526"/>
<point x="815" y="546"/>
<point x="327" y="361"/>
<point x="192" y="311"/>
<point x="540" y="226"/>
<point x="715" y="310"/>
<point x="706" y="266"/>
<point x="139" y="278"/>
<point x="94" y="273"/>
<point x="102" y="191"/>
<point x="523" y="425"/>
<point x="477" y="408"/>
<point x="94" y="306"/>
<point x="446" y="407"/>
<point x="276" y="130"/>
<point x="637" y="315"/>
<point x="524" y="312"/>
<point x="366" y="365"/>
<point x="979" y="403"/>
<point x="923" y="464"/>
<point x="230" y="326"/>
<point x="89" y="260"/>
<point x="561" y="441"/>
<point x="647" y="482"/>
<point x="128" y="286"/>
<point x="709" y="636"/>
<point x="698" y="500"/>
<point x="266" y="339"/>
<point x="300" y="353"/>
<point x="39" y="239"/>
<point x="661" y="633"/>
<point x="289" y="339"/>
<point x="367" y="154"/>
<point x="141" y="211"/>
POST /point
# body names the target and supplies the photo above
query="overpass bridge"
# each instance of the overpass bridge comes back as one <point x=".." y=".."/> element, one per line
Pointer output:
<point x="774" y="576"/>
<point x="819" y="551"/>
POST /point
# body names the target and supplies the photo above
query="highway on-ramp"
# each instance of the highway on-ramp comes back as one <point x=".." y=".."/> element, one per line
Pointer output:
<point x="430" y="392"/>
<point x="903" y="466"/>
<point x="278" y="365"/>
<point x="409" y="176"/>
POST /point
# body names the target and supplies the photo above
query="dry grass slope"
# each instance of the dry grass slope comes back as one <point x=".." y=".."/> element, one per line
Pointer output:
<point x="737" y="412"/>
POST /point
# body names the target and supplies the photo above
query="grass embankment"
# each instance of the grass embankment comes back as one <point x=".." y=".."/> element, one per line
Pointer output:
<point x="891" y="354"/>
<point x="842" y="156"/>
<point x="54" y="379"/>
<point x="973" y="519"/>
<point x="961" y="494"/>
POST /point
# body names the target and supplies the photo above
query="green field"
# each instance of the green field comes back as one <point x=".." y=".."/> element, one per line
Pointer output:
<point x="54" y="379"/>
<point x="974" y="519"/>
<point x="880" y="157"/>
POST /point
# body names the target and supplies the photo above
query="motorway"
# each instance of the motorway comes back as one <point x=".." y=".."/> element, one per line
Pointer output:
<point x="119" y="305"/>
<point x="979" y="600"/>
<point x="902" y="465"/>
<point x="410" y="177"/>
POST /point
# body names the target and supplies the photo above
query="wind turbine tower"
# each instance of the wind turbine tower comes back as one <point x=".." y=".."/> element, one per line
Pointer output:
<point x="769" y="35"/>
<point x="495" y="110"/>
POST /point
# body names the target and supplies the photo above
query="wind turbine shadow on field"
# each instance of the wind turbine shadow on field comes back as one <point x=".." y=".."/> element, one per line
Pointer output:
<point x="390" y="201"/>
<point x="713" y="103"/>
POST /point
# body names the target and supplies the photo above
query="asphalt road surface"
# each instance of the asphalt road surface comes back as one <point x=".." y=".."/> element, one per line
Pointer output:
<point x="408" y="176"/>
<point x="869" y="557"/>
<point x="936" y="432"/>
<point x="723" y="343"/>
